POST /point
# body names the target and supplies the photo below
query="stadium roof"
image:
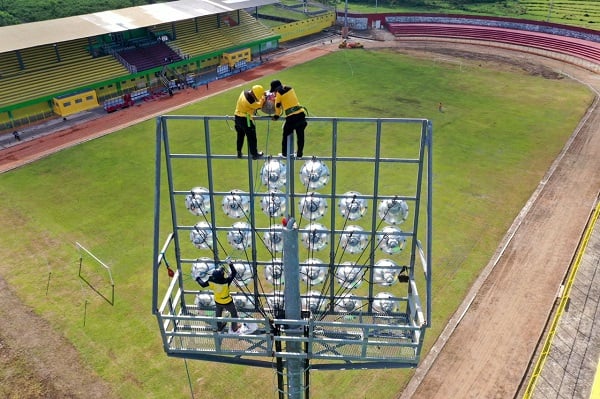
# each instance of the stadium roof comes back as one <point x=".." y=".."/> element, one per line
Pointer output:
<point x="33" y="34"/>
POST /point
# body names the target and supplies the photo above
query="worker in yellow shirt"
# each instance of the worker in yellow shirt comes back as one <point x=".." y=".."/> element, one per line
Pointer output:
<point x="219" y="283"/>
<point x="247" y="104"/>
<point x="287" y="104"/>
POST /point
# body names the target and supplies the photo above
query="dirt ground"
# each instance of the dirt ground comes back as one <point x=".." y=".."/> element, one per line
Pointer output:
<point x="486" y="348"/>
<point x="484" y="351"/>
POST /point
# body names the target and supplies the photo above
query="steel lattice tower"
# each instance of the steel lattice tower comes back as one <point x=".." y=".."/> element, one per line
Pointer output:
<point x="331" y="250"/>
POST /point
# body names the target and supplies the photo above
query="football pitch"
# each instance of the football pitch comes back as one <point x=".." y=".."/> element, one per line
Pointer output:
<point x="494" y="138"/>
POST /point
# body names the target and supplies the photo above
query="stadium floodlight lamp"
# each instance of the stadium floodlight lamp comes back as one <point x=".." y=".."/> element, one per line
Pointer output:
<point x="313" y="272"/>
<point x="244" y="272"/>
<point x="393" y="211"/>
<point x="385" y="302"/>
<point x="273" y="204"/>
<point x="236" y="204"/>
<point x="202" y="235"/>
<point x="202" y="268"/>
<point x="204" y="300"/>
<point x="313" y="301"/>
<point x="385" y="272"/>
<point x="316" y="237"/>
<point x="347" y="304"/>
<point x="352" y="207"/>
<point x="314" y="174"/>
<point x="348" y="275"/>
<point x="312" y="207"/>
<point x="241" y="236"/>
<point x="275" y="301"/>
<point x="353" y="240"/>
<point x="274" y="239"/>
<point x="243" y="302"/>
<point x="391" y="240"/>
<point x="273" y="174"/>
<point x="198" y="201"/>
<point x="274" y="272"/>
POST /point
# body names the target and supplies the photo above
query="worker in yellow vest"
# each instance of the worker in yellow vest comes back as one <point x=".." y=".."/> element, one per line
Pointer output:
<point x="287" y="105"/>
<point x="247" y="104"/>
<point x="223" y="300"/>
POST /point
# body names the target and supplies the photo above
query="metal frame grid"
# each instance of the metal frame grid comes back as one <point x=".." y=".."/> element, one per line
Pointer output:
<point x="357" y="290"/>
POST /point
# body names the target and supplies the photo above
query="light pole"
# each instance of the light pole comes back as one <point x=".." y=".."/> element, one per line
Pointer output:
<point x="345" y="28"/>
<point x="550" y="10"/>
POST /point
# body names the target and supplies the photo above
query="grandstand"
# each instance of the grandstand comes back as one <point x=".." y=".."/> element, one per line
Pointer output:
<point x="170" y="45"/>
<point x="574" y="45"/>
<point x="587" y="50"/>
<point x="153" y="48"/>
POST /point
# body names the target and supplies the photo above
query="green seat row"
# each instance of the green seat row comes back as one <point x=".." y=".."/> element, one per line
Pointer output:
<point x="56" y="79"/>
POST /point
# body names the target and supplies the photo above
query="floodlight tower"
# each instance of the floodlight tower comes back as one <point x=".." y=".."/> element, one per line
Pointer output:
<point x="330" y="250"/>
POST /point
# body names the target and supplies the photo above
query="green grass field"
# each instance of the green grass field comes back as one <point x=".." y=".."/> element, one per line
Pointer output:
<point x="585" y="14"/>
<point x="492" y="145"/>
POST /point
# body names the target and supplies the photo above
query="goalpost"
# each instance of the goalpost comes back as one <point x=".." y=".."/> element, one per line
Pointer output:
<point x="96" y="274"/>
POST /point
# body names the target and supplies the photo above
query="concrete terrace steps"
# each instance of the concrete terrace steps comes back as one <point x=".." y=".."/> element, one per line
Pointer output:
<point x="45" y="75"/>
<point x="41" y="57"/>
<point x="587" y="50"/>
<point x="204" y="36"/>
<point x="60" y="78"/>
<point x="150" y="57"/>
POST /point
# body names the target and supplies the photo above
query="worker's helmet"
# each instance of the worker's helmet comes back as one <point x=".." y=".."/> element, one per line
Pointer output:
<point x="218" y="273"/>
<point x="275" y="84"/>
<point x="258" y="91"/>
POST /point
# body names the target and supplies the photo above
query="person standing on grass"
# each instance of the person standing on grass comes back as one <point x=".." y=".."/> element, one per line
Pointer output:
<point x="287" y="104"/>
<point x="223" y="300"/>
<point x="247" y="104"/>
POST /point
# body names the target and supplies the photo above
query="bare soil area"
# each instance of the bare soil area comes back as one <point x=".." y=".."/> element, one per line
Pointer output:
<point x="484" y="351"/>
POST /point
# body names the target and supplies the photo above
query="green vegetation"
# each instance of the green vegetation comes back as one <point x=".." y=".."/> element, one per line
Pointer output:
<point x="569" y="12"/>
<point x="495" y="127"/>
<point x="584" y="14"/>
<point x="23" y="11"/>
